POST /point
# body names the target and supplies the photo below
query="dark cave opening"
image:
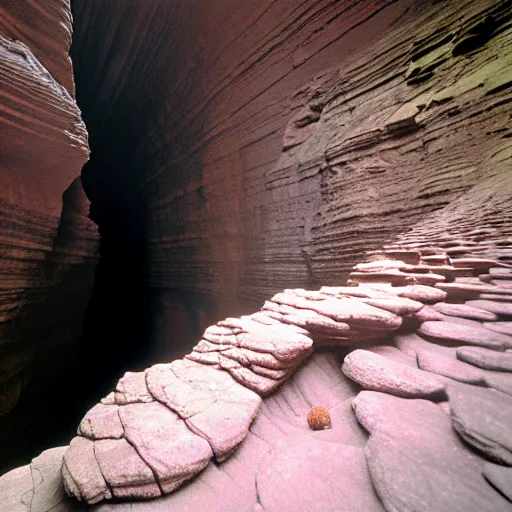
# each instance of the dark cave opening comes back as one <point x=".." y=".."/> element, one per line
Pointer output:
<point x="117" y="327"/>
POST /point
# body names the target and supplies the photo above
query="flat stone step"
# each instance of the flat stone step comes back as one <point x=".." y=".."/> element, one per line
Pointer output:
<point x="476" y="263"/>
<point x="464" y="311"/>
<point x="465" y="334"/>
<point x="378" y="373"/>
<point x="502" y="327"/>
<point x="415" y="457"/>
<point x="470" y="290"/>
<point x="496" y="297"/>
<point x="481" y="416"/>
<point x="449" y="367"/>
<point x="498" y="308"/>
<point x="485" y="358"/>
<point x="504" y="283"/>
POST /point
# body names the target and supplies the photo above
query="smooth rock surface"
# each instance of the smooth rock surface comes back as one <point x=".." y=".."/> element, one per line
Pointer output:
<point x="449" y="367"/>
<point x="482" y="418"/>
<point x="485" y="358"/>
<point x="378" y="373"/>
<point x="465" y="334"/>
<point x="499" y="308"/>
<point x="500" y="477"/>
<point x="405" y="469"/>
<point x="503" y="327"/>
<point x="500" y="381"/>
<point x="464" y="311"/>
<point x="301" y="473"/>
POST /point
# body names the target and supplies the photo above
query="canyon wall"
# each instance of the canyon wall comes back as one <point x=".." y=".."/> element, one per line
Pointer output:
<point x="236" y="150"/>
<point x="48" y="243"/>
<point x="271" y="145"/>
<point x="297" y="145"/>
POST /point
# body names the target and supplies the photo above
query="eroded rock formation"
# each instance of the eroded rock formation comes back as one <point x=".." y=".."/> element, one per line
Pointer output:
<point x="286" y="141"/>
<point x="48" y="245"/>
<point x="424" y="368"/>
<point x="270" y="149"/>
<point x="373" y="186"/>
<point x="419" y="297"/>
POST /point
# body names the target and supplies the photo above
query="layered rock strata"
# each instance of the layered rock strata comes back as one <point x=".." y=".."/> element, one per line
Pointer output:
<point x="419" y="392"/>
<point x="425" y="383"/>
<point x="296" y="154"/>
<point x="48" y="245"/>
<point x="271" y="149"/>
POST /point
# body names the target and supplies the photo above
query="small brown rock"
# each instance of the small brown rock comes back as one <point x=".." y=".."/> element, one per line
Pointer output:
<point x="319" y="418"/>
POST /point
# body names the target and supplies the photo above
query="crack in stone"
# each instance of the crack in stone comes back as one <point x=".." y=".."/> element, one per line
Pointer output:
<point x="33" y="486"/>
<point x="109" y="487"/>
<point x="155" y="475"/>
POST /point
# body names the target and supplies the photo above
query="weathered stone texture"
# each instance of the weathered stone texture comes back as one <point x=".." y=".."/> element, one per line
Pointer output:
<point x="46" y="28"/>
<point x="270" y="146"/>
<point x="282" y="142"/>
<point x="300" y="136"/>
<point x="47" y="242"/>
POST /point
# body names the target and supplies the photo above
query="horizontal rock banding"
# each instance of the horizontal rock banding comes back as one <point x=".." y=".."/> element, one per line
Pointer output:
<point x="48" y="245"/>
<point x="399" y="163"/>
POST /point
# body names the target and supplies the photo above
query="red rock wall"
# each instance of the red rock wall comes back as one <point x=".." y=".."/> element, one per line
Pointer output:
<point x="237" y="150"/>
<point x="279" y="141"/>
<point x="223" y="172"/>
<point x="45" y="27"/>
<point x="313" y="133"/>
<point x="48" y="243"/>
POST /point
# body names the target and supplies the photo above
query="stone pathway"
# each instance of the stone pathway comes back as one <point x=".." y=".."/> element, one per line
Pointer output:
<point x="172" y="419"/>
<point x="425" y="373"/>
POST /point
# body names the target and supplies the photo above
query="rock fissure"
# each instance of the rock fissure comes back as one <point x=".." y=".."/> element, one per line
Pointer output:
<point x="102" y="474"/>
<point x="154" y="473"/>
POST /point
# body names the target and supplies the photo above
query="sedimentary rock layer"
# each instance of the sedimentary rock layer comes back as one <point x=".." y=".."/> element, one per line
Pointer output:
<point x="442" y="374"/>
<point x="45" y="27"/>
<point x="161" y="427"/>
<point x="289" y="139"/>
<point x="410" y="133"/>
<point x="48" y="244"/>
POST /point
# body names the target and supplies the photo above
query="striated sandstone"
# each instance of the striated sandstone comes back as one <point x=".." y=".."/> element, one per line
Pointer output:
<point x="286" y="156"/>
<point x="306" y="135"/>
<point x="48" y="245"/>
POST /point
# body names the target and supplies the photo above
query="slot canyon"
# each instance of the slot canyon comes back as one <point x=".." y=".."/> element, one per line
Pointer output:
<point x="256" y="256"/>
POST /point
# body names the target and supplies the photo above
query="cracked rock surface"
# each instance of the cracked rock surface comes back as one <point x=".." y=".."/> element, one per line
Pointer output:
<point x="414" y="410"/>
